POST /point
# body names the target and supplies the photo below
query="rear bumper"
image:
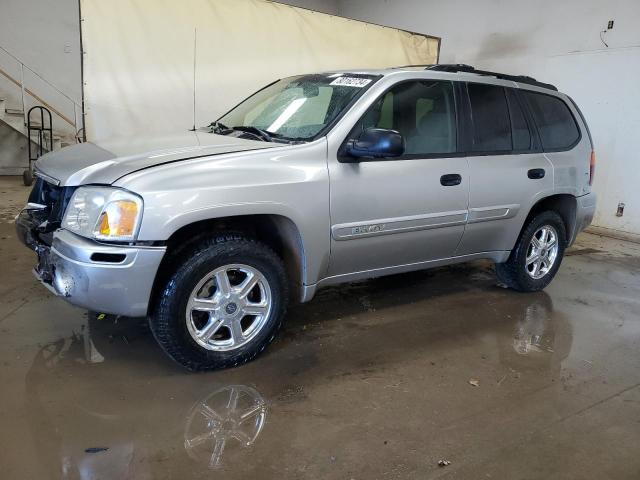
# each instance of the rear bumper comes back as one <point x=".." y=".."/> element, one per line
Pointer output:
<point x="104" y="278"/>
<point x="585" y="211"/>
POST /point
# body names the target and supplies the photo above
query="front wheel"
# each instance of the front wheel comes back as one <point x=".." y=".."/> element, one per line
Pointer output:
<point x="537" y="256"/>
<point x="222" y="304"/>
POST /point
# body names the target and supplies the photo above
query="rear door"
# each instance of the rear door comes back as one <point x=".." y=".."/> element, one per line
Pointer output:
<point x="400" y="212"/>
<point x="508" y="172"/>
<point x="560" y="139"/>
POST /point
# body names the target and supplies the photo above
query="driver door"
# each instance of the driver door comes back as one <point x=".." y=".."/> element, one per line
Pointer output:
<point x="395" y="214"/>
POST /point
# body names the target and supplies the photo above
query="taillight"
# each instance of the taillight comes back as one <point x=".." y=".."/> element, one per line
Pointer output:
<point x="592" y="167"/>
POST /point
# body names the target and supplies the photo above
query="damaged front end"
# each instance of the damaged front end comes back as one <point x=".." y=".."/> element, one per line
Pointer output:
<point x="99" y="276"/>
<point x="36" y="224"/>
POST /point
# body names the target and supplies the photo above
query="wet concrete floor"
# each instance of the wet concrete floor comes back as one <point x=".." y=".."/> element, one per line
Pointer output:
<point x="370" y="380"/>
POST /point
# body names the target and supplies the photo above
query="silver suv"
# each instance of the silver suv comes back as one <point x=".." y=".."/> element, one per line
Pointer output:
<point x="312" y="181"/>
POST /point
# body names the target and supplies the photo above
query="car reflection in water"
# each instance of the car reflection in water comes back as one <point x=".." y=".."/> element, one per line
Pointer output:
<point x="529" y="335"/>
<point x="235" y="413"/>
<point x="99" y="407"/>
<point x="539" y="340"/>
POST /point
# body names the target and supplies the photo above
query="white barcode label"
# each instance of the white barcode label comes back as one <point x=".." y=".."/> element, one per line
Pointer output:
<point x="351" y="82"/>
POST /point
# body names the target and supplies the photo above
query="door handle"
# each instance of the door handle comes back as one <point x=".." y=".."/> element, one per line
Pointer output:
<point x="450" y="180"/>
<point x="536" y="173"/>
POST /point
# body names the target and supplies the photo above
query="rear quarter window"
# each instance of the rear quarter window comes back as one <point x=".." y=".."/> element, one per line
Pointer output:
<point x="557" y="128"/>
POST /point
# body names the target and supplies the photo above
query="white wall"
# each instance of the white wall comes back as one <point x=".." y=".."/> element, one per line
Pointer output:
<point x="557" y="42"/>
<point x="44" y="34"/>
<point x="150" y="90"/>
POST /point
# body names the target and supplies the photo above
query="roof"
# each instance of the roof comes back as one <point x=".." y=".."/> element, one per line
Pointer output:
<point x="456" y="69"/>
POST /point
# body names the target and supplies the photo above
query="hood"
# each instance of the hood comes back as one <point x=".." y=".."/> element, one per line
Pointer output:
<point x="105" y="162"/>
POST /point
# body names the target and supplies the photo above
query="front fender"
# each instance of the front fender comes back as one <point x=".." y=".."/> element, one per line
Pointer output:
<point x="289" y="182"/>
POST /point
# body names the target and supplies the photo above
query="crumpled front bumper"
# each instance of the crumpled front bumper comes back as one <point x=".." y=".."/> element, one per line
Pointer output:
<point x="101" y="277"/>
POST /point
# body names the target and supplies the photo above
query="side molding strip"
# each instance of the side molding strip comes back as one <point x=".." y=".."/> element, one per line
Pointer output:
<point x="386" y="226"/>
<point x="495" y="212"/>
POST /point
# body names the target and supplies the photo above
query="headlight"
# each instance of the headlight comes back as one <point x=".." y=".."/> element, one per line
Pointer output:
<point x="104" y="213"/>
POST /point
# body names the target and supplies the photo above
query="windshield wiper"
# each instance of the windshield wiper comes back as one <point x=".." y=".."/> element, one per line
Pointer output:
<point x="266" y="135"/>
<point x="273" y="136"/>
<point x="258" y="132"/>
<point x="218" y="127"/>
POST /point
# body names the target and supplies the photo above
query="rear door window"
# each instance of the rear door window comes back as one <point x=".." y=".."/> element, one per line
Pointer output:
<point x="557" y="127"/>
<point x="491" y="121"/>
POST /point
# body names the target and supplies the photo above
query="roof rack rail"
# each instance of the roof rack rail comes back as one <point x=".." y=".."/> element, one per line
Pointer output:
<point x="420" y="65"/>
<point x="461" y="67"/>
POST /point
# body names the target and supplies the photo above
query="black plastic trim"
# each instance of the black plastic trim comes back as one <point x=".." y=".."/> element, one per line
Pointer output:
<point x="55" y="198"/>
<point x="466" y="131"/>
<point x="108" y="257"/>
<point x="536" y="145"/>
<point x="461" y="67"/>
<point x="464" y="120"/>
<point x="536" y="173"/>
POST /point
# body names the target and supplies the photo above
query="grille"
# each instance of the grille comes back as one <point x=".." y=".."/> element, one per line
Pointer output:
<point x="55" y="200"/>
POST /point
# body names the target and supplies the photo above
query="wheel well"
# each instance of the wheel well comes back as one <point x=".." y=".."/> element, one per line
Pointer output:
<point x="563" y="204"/>
<point x="276" y="231"/>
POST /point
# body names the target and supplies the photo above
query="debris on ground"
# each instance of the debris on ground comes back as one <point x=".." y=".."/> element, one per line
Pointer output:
<point x="96" y="449"/>
<point x="474" y="382"/>
<point x="444" y="463"/>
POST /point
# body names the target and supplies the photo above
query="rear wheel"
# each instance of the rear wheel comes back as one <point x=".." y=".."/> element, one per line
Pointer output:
<point x="537" y="256"/>
<point x="222" y="304"/>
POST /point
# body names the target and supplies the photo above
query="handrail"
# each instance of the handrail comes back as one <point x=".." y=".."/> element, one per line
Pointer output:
<point x="76" y="105"/>
<point x="39" y="76"/>
<point x="34" y="95"/>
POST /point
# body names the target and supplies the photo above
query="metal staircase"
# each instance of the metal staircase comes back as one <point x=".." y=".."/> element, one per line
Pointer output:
<point x="16" y="120"/>
<point x="27" y="106"/>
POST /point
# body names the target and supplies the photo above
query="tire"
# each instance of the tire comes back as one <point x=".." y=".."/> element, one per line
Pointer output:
<point x="181" y="328"/>
<point x="27" y="177"/>
<point x="520" y="275"/>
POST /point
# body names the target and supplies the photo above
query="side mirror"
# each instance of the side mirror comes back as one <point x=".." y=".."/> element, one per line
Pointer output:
<point x="374" y="143"/>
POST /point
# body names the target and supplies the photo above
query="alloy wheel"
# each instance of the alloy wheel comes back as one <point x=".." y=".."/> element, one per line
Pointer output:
<point x="542" y="252"/>
<point x="228" y="307"/>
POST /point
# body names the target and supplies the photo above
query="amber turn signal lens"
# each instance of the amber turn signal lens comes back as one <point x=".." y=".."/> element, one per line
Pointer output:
<point x="104" y="225"/>
<point x="592" y="166"/>
<point x="118" y="219"/>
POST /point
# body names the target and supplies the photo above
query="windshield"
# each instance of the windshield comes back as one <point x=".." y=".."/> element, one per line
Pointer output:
<point x="295" y="108"/>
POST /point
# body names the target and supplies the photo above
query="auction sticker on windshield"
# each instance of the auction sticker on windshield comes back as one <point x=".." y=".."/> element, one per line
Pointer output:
<point x="351" y="82"/>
